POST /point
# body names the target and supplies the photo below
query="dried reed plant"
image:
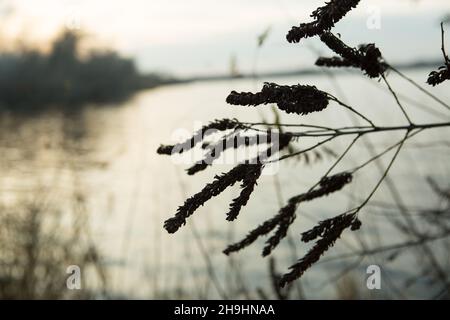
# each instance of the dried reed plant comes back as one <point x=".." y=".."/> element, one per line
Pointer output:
<point x="302" y="99"/>
<point x="437" y="77"/>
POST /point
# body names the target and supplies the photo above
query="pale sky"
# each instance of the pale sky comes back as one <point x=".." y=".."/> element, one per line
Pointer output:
<point x="200" y="36"/>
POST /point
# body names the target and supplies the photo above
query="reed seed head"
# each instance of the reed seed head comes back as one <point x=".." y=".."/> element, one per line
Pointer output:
<point x="326" y="225"/>
<point x="299" y="99"/>
<point x="287" y="217"/>
<point x="216" y="125"/>
<point x="211" y="190"/>
<point x="329" y="232"/>
<point x="325" y="18"/>
<point x="437" y="77"/>
<point x="333" y="62"/>
<point x="367" y="57"/>
<point x="248" y="185"/>
<point x="247" y="173"/>
<point x="266" y="227"/>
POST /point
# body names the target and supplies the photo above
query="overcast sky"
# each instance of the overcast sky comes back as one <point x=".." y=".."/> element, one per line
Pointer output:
<point x="199" y="36"/>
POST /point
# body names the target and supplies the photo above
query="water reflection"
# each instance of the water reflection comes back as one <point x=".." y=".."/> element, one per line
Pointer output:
<point x="94" y="177"/>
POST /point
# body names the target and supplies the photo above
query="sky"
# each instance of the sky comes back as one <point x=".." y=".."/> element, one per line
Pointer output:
<point x="201" y="36"/>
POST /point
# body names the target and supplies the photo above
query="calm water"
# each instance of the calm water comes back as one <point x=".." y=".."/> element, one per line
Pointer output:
<point x="106" y="156"/>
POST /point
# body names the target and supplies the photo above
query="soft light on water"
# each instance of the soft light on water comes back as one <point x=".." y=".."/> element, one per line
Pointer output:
<point x="108" y="155"/>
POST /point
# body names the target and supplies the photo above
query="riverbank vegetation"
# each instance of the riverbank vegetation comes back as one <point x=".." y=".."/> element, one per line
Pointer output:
<point x="31" y="80"/>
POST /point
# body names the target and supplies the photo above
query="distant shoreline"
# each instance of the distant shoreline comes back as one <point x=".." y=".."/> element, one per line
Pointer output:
<point x="299" y="72"/>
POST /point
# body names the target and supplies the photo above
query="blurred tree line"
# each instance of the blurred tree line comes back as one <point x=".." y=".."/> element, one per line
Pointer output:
<point x="31" y="80"/>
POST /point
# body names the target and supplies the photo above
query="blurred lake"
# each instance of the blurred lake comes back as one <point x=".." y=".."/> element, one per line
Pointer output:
<point x="105" y="156"/>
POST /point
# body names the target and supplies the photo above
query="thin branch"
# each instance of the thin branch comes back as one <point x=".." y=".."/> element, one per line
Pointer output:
<point x="284" y="125"/>
<point x="303" y="151"/>
<point x="336" y="162"/>
<point x="383" y="249"/>
<point x="351" y="109"/>
<point x="406" y="98"/>
<point x="385" y="151"/>
<point x="396" y="99"/>
<point x="420" y="88"/>
<point x="447" y="60"/>
<point x="363" y="130"/>
<point x="385" y="173"/>
<point x="343" y="155"/>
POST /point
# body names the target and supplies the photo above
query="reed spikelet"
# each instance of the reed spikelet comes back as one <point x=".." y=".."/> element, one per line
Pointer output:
<point x="326" y="225"/>
<point x="199" y="166"/>
<point x="304" y="30"/>
<point x="266" y="227"/>
<point x="325" y="18"/>
<point x="329" y="231"/>
<point x="367" y="57"/>
<point x="437" y="77"/>
<point x="216" y="125"/>
<point x="234" y="141"/>
<point x="333" y="11"/>
<point x="286" y="215"/>
<point x="443" y="73"/>
<point x="248" y="184"/>
<point x="207" y="161"/>
<point x="333" y="62"/>
<point x="356" y="224"/>
<point x="371" y="60"/>
<point x="247" y="173"/>
<point x="299" y="99"/>
<point x="213" y="189"/>
<point x="249" y="181"/>
<point x="327" y="185"/>
<point x="339" y="47"/>
<point x="330" y="184"/>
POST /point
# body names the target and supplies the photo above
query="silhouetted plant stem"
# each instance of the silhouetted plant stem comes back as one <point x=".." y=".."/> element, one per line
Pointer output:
<point x="203" y="250"/>
<point x="361" y="131"/>
<point x="412" y="102"/>
<point x="399" y="147"/>
<point x="303" y="100"/>
<point x="351" y="109"/>
<point x="420" y="88"/>
<point x="331" y="231"/>
<point x="443" y="73"/>
<point x="397" y="100"/>
<point x="385" y="151"/>
<point x="303" y="151"/>
<point x="325" y="18"/>
<point x="444" y="53"/>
